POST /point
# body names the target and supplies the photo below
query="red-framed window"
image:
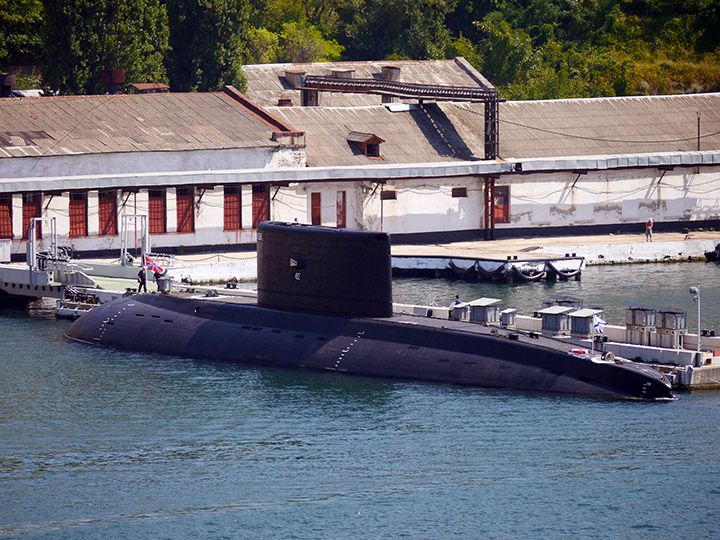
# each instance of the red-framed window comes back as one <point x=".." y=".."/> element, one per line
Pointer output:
<point x="501" y="204"/>
<point x="6" y="230"/>
<point x="31" y="209"/>
<point x="261" y="205"/>
<point x="185" y="210"/>
<point x="315" y="209"/>
<point x="157" y="218"/>
<point x="341" y="210"/>
<point x="78" y="213"/>
<point x="233" y="208"/>
<point x="107" y="212"/>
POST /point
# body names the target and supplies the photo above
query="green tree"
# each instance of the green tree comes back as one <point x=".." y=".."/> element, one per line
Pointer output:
<point x="304" y="43"/>
<point x="508" y="51"/>
<point x="465" y="48"/>
<point x="83" y="37"/>
<point x="263" y="46"/>
<point x="208" y="41"/>
<point x="406" y="28"/>
<point x="324" y="15"/>
<point x="20" y="39"/>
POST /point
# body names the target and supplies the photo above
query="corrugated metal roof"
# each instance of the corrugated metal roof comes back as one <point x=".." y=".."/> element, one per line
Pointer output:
<point x="529" y="130"/>
<point x="414" y="134"/>
<point x="266" y="82"/>
<point x="127" y="123"/>
<point x="599" y="126"/>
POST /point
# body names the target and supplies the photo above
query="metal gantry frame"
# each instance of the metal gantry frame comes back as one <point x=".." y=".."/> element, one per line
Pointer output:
<point x="132" y="219"/>
<point x="313" y="84"/>
<point x="31" y="247"/>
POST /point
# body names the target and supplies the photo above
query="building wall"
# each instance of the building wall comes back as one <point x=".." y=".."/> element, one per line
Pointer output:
<point x="427" y="206"/>
<point x="612" y="197"/>
<point x="431" y="206"/>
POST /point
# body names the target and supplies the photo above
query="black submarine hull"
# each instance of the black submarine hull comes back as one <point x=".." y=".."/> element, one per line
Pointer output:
<point x="324" y="302"/>
<point x="389" y="348"/>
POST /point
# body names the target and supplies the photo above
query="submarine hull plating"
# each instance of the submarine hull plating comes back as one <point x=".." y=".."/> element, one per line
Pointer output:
<point x="425" y="350"/>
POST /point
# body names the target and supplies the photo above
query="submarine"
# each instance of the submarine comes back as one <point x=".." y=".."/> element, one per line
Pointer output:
<point x="324" y="302"/>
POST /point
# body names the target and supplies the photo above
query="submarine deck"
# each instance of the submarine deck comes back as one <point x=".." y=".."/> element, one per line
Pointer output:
<point x="562" y="343"/>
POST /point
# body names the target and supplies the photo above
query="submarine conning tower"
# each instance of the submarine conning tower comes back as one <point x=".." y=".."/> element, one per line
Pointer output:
<point x="324" y="270"/>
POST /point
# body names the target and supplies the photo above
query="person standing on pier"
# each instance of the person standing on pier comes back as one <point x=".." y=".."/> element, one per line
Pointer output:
<point x="142" y="280"/>
<point x="648" y="230"/>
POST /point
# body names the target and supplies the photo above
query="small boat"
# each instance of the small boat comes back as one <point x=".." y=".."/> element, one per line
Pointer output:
<point x="74" y="303"/>
<point x="713" y="256"/>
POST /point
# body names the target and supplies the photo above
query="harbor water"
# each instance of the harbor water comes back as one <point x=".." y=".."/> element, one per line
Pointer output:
<point x="98" y="443"/>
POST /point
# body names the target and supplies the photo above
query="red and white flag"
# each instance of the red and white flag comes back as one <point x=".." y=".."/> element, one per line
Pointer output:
<point x="152" y="266"/>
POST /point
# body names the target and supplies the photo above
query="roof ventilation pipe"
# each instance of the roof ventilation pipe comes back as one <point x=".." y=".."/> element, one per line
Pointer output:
<point x="113" y="78"/>
<point x="295" y="77"/>
<point x="6" y="84"/>
<point x="391" y="73"/>
<point x="341" y="73"/>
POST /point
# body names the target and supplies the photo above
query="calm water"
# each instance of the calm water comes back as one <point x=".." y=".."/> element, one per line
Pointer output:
<point x="102" y="444"/>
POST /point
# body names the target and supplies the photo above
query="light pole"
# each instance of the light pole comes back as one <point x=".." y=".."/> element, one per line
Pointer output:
<point x="695" y="291"/>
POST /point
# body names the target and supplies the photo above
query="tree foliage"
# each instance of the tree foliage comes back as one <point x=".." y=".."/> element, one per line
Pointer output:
<point x="83" y="37"/>
<point x="208" y="43"/>
<point x="530" y="49"/>
<point x="20" y="39"/>
<point x="403" y="28"/>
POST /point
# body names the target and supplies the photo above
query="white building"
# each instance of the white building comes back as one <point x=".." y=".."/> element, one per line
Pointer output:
<point x="206" y="168"/>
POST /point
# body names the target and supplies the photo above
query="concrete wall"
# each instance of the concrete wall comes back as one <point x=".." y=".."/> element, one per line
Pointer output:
<point x="610" y="197"/>
<point x="5" y="247"/>
<point x="429" y="206"/>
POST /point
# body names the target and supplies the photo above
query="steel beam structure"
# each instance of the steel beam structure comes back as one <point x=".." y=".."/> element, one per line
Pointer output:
<point x="489" y="96"/>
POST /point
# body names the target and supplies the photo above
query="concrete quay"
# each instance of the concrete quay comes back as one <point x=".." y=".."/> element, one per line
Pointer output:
<point x="596" y="250"/>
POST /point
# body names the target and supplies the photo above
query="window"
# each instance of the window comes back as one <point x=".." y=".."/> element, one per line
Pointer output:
<point x="6" y="216"/>
<point x="501" y="204"/>
<point x="233" y="208"/>
<point x="78" y="214"/>
<point x="341" y="210"/>
<point x="156" y="211"/>
<point x="315" y="209"/>
<point x="459" y="192"/>
<point x="31" y="209"/>
<point x="185" y="210"/>
<point x="261" y="205"/>
<point x="388" y="195"/>
<point x="107" y="212"/>
<point x="366" y="143"/>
